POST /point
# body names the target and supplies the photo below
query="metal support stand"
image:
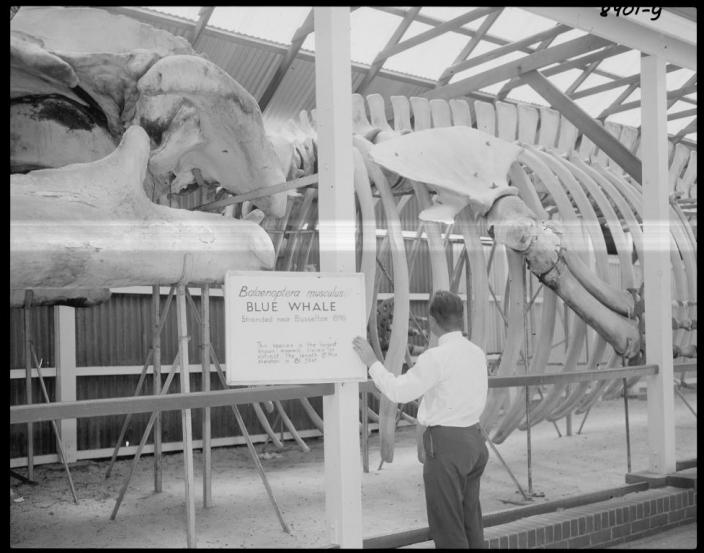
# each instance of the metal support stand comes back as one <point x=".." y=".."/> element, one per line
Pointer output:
<point x="681" y="396"/>
<point x="186" y="416"/>
<point x="510" y="473"/>
<point x="241" y="425"/>
<point x="154" y="355"/>
<point x="584" y="420"/>
<point x="528" y="446"/>
<point x="143" y="441"/>
<point x="628" y="430"/>
<point x="364" y="402"/>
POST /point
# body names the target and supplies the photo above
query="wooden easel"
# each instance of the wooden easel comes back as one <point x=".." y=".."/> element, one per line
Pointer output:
<point x="31" y="356"/>
<point x="207" y="354"/>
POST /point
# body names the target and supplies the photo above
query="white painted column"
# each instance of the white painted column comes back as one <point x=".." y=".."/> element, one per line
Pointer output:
<point x="656" y="264"/>
<point x="65" y="361"/>
<point x="333" y="86"/>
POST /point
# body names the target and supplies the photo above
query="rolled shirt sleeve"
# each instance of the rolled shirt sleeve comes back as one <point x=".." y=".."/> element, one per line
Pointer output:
<point x="406" y="387"/>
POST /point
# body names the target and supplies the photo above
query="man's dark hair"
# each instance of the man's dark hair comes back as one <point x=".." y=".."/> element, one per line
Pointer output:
<point x="447" y="310"/>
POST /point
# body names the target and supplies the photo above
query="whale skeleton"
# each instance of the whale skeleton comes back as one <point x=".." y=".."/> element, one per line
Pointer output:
<point x="168" y="120"/>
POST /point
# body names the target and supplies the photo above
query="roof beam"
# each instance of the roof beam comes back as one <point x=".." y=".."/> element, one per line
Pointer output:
<point x="469" y="32"/>
<point x="503" y="50"/>
<point x="451" y="25"/>
<point x="580" y="119"/>
<point x="688" y="89"/>
<point x="203" y="17"/>
<point x="513" y="82"/>
<point x="672" y="45"/>
<point x="690" y="128"/>
<point x="671" y="102"/>
<point x="472" y="44"/>
<point x="580" y="62"/>
<point x="582" y="77"/>
<point x="378" y="62"/>
<point x="618" y="101"/>
<point x="515" y="68"/>
<point x="297" y="41"/>
<point x="681" y="114"/>
<point x="616" y="83"/>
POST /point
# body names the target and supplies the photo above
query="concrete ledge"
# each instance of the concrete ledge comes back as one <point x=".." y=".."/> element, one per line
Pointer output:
<point x="686" y="478"/>
<point x="599" y="524"/>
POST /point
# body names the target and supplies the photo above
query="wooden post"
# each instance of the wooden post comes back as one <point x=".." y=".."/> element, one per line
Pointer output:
<point x="28" y="378"/>
<point x="65" y="361"/>
<point x="156" y="360"/>
<point x="183" y="338"/>
<point x="656" y="264"/>
<point x="333" y="79"/>
<point x="205" y="363"/>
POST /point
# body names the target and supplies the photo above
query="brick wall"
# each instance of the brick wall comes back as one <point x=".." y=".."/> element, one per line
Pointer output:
<point x="599" y="524"/>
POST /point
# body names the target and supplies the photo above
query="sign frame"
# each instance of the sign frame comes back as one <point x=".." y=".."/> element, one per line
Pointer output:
<point x="257" y="351"/>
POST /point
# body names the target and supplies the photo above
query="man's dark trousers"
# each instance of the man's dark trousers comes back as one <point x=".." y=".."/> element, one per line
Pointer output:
<point x="455" y="458"/>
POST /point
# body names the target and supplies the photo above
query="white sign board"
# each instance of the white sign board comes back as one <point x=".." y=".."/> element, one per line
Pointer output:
<point x="293" y="327"/>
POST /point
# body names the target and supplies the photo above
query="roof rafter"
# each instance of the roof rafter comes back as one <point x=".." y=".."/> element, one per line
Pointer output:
<point x="690" y="128"/>
<point x="675" y="94"/>
<point x="507" y="49"/>
<point x="297" y="41"/>
<point x="472" y="44"/>
<point x="515" y="68"/>
<point x="203" y="17"/>
<point x="616" y="83"/>
<point x="378" y="63"/>
<point x="681" y="114"/>
<point x="442" y="28"/>
<point x="671" y="43"/>
<point x="421" y="18"/>
<point x="618" y="101"/>
<point x="591" y="68"/>
<point x="513" y="82"/>
<point x="580" y="119"/>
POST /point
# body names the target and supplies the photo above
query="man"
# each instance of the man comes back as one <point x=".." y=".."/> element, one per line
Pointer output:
<point x="452" y="378"/>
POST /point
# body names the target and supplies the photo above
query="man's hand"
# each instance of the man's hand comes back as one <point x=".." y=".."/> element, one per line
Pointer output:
<point x="364" y="350"/>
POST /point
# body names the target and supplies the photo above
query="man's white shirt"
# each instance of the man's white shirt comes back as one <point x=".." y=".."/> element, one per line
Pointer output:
<point x="452" y="378"/>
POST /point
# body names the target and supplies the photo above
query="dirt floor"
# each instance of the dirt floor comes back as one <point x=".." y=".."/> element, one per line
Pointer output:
<point x="392" y="498"/>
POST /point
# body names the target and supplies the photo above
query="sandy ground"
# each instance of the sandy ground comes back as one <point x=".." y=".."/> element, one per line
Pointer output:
<point x="392" y="498"/>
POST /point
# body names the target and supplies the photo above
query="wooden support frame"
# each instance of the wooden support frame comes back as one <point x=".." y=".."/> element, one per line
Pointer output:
<point x="679" y="48"/>
<point x="336" y="216"/>
<point x="681" y="114"/>
<point x="656" y="281"/>
<point x="503" y="50"/>
<point x="569" y="91"/>
<point x="65" y="360"/>
<point x="580" y="119"/>
<point x="618" y="101"/>
<point x="501" y="94"/>
<point x="632" y="79"/>
<point x="515" y="68"/>
<point x="472" y="44"/>
<point x="378" y="62"/>
<point x="451" y="25"/>
<point x="673" y="95"/>
<point x="470" y="33"/>
<point x="671" y="101"/>
<point x="690" y="128"/>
